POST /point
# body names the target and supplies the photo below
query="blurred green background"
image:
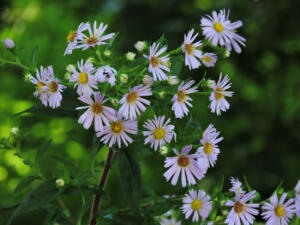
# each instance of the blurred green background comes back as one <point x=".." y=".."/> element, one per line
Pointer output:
<point x="261" y="129"/>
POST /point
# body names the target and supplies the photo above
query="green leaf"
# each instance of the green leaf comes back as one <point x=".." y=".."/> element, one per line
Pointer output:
<point x="130" y="175"/>
<point x="96" y="147"/>
<point x="41" y="152"/>
<point x="111" y="41"/>
<point x="162" y="41"/>
<point x="247" y="184"/>
<point x="27" y="181"/>
<point x="176" y="65"/>
<point x="34" y="54"/>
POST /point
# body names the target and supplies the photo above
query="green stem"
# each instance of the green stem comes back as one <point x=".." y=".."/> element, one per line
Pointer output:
<point x="14" y="63"/>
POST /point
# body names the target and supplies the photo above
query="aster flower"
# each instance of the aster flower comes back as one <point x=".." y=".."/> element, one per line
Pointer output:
<point x="159" y="132"/>
<point x="106" y="73"/>
<point x="185" y="164"/>
<point x="209" y="59"/>
<point x="95" y="111"/>
<point x="209" y="149"/>
<point x="191" y="51"/>
<point x="54" y="89"/>
<point x="236" y="187"/>
<point x="172" y="221"/>
<point x="95" y="37"/>
<point x="297" y="198"/>
<point x="278" y="212"/>
<point x="181" y="99"/>
<point x="241" y="210"/>
<point x="217" y="99"/>
<point x="219" y="30"/>
<point x="196" y="203"/>
<point x="84" y="78"/>
<point x="117" y="131"/>
<point x="133" y="103"/>
<point x="75" y="35"/>
<point x="9" y="43"/>
<point x="147" y="80"/>
<point x="156" y="66"/>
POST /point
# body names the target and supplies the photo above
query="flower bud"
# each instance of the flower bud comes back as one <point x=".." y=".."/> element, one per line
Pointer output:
<point x="130" y="56"/>
<point x="27" y="77"/>
<point x="167" y="63"/>
<point x="60" y="182"/>
<point x="124" y="78"/>
<point x="140" y="46"/>
<point x="114" y="101"/>
<point x="91" y="60"/>
<point x="8" y="43"/>
<point x="68" y="76"/>
<point x="162" y="94"/>
<point x="148" y="80"/>
<point x="210" y="83"/>
<point x="107" y="53"/>
<point x="226" y="53"/>
<point x="173" y="80"/>
<point x="164" y="150"/>
<point x="70" y="68"/>
<point x="14" y="130"/>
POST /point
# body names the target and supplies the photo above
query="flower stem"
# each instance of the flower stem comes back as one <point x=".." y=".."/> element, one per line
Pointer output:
<point x="97" y="197"/>
<point x="14" y="63"/>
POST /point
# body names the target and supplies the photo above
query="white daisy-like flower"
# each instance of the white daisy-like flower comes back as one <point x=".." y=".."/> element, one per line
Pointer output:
<point x="54" y="89"/>
<point x="156" y="66"/>
<point x="217" y="98"/>
<point x="73" y="36"/>
<point x="209" y="149"/>
<point x="133" y="103"/>
<point x="95" y="37"/>
<point x="84" y="78"/>
<point x="297" y="199"/>
<point x="278" y="212"/>
<point x="241" y="210"/>
<point x="95" y="111"/>
<point x="186" y="165"/>
<point x="117" y="131"/>
<point x="159" y="132"/>
<point x="165" y="221"/>
<point x="209" y="59"/>
<point x="41" y="81"/>
<point x="106" y="73"/>
<point x="191" y="51"/>
<point x="181" y="99"/>
<point x="219" y="30"/>
<point x="236" y="186"/>
<point x="198" y="204"/>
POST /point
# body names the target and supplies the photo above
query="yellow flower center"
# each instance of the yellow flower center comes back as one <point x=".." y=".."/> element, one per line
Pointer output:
<point x="238" y="207"/>
<point x="96" y="108"/>
<point x="207" y="148"/>
<point x="196" y="205"/>
<point x="279" y="210"/>
<point x="71" y="36"/>
<point x="132" y="97"/>
<point x="116" y="127"/>
<point x="206" y="59"/>
<point x="181" y="96"/>
<point x="183" y="161"/>
<point x="83" y="78"/>
<point x="159" y="133"/>
<point x="92" y="40"/>
<point x="219" y="95"/>
<point x="218" y="27"/>
<point x="154" y="61"/>
<point x="53" y="86"/>
<point x="39" y="87"/>
<point x="189" y="48"/>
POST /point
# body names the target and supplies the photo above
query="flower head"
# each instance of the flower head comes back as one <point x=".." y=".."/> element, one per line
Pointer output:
<point x="106" y="74"/>
<point x="219" y="30"/>
<point x="147" y="80"/>
<point x="236" y="186"/>
<point x="198" y="204"/>
<point x="217" y="98"/>
<point x="156" y="66"/>
<point x="165" y="221"/>
<point x="297" y="198"/>
<point x="181" y="99"/>
<point x="209" y="59"/>
<point x="140" y="46"/>
<point x="130" y="56"/>
<point x="185" y="164"/>
<point x="159" y="132"/>
<point x="9" y="43"/>
<point x="74" y="36"/>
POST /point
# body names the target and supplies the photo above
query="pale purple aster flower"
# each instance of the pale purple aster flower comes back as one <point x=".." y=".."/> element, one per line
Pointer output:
<point x="191" y="51"/>
<point x="159" y="132"/>
<point x="106" y="74"/>
<point x="156" y="66"/>
<point x="147" y="80"/>
<point x="84" y="78"/>
<point x="95" y="111"/>
<point x="278" y="212"/>
<point x="209" y="149"/>
<point x="217" y="98"/>
<point x="95" y="37"/>
<point x="133" y="103"/>
<point x="181" y="99"/>
<point x="117" y="131"/>
<point x="172" y="221"/>
<point x="209" y="59"/>
<point x="236" y="186"/>
<point x="186" y="165"/>
<point x="219" y="30"/>
<point x="198" y="204"/>
<point x="297" y="198"/>
<point x="241" y="210"/>
<point x="9" y="43"/>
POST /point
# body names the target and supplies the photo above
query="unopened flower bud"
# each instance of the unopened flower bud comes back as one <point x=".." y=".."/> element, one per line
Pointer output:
<point x="140" y="46"/>
<point x="210" y="83"/>
<point x="91" y="60"/>
<point x="148" y="80"/>
<point x="162" y="94"/>
<point x="173" y="80"/>
<point x="70" y="68"/>
<point x="130" y="56"/>
<point x="68" y="76"/>
<point x="8" y="43"/>
<point x="60" y="182"/>
<point x="167" y="63"/>
<point x="107" y="53"/>
<point x="124" y="78"/>
<point x="14" y="130"/>
<point x="163" y="150"/>
<point x="226" y="53"/>
<point x="27" y="77"/>
<point x="114" y="101"/>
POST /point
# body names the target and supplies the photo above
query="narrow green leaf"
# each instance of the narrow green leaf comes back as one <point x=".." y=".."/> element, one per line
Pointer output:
<point x="27" y="181"/>
<point x="34" y="54"/>
<point x="96" y="147"/>
<point x="247" y="184"/>
<point x="176" y="64"/>
<point x="41" y="152"/>
<point x="111" y="41"/>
